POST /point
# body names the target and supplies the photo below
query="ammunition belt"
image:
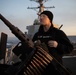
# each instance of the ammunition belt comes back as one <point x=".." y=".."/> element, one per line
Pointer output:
<point x="38" y="63"/>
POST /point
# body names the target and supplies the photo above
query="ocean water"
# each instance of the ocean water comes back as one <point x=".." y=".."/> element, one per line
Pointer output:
<point x="13" y="40"/>
<point x="72" y="38"/>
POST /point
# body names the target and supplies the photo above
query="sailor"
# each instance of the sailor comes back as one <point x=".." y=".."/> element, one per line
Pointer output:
<point x="56" y="40"/>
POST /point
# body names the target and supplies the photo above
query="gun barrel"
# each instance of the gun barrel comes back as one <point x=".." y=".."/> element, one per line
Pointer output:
<point x="17" y="32"/>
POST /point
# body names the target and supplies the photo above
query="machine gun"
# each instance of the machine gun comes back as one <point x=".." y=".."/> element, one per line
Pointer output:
<point x="34" y="59"/>
<point x="20" y="51"/>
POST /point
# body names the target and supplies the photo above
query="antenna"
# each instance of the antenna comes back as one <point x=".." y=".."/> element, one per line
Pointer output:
<point x="40" y="7"/>
<point x="60" y="26"/>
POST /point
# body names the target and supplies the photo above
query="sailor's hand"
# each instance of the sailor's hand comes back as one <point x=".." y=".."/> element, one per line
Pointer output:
<point x="52" y="43"/>
<point x="37" y="42"/>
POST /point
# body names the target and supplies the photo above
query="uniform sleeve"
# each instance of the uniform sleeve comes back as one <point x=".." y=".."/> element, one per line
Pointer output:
<point x="64" y="44"/>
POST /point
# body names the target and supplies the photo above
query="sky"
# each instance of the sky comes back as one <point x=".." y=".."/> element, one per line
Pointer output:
<point x="16" y="12"/>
